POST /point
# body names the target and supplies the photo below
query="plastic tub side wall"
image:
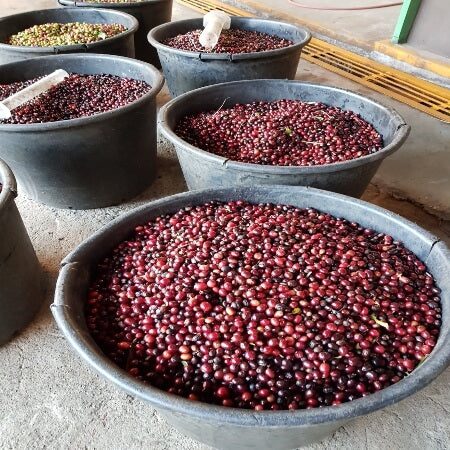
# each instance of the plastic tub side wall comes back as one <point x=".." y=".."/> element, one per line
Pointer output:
<point x="20" y="273"/>
<point x="199" y="172"/>
<point x="86" y="166"/>
<point x="184" y="74"/>
<point x="202" y="169"/>
<point x="231" y="437"/>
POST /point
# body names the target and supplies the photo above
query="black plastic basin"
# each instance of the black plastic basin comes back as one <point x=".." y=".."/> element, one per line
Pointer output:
<point x="185" y="70"/>
<point x="202" y="169"/>
<point x="122" y="44"/>
<point x="88" y="162"/>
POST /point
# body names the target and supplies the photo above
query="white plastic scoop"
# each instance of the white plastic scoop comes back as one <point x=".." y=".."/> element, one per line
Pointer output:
<point x="35" y="89"/>
<point x="213" y="23"/>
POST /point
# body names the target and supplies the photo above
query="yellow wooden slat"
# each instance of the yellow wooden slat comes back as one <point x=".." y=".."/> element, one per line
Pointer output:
<point x="204" y="6"/>
<point x="332" y="55"/>
<point x="339" y="63"/>
<point x="389" y="79"/>
<point x="412" y="88"/>
<point x="402" y="76"/>
<point x="440" y="114"/>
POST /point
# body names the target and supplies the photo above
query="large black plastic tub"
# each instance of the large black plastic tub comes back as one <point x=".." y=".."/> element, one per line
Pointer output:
<point x="20" y="272"/>
<point x="232" y="428"/>
<point x="185" y="71"/>
<point x="122" y="44"/>
<point x="202" y="169"/>
<point x="88" y="162"/>
<point x="149" y="13"/>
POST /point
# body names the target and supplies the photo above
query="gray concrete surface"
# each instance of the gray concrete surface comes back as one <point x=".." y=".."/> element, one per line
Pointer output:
<point x="430" y="25"/>
<point x="364" y="30"/>
<point x="361" y="27"/>
<point x="50" y="399"/>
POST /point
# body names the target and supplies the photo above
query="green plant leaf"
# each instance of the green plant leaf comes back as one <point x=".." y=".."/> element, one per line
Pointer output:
<point x="379" y="322"/>
<point x="422" y="361"/>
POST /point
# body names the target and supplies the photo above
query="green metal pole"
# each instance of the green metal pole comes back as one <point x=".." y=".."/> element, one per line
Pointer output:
<point x="405" y="21"/>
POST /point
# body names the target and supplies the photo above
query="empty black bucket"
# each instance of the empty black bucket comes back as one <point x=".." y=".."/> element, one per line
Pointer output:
<point x="185" y="70"/>
<point x="202" y="169"/>
<point x="149" y="13"/>
<point x="20" y="273"/>
<point x="122" y="44"/>
<point x="88" y="162"/>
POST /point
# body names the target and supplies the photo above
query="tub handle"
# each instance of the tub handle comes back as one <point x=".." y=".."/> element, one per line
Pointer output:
<point x="215" y="56"/>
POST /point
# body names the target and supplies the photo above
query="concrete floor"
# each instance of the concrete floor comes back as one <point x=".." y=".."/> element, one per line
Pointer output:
<point x="50" y="399"/>
<point x="363" y="29"/>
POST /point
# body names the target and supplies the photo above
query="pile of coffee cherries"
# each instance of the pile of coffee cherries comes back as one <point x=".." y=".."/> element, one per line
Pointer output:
<point x="76" y="96"/>
<point x="232" y="41"/>
<point x="281" y="133"/>
<point x="263" y="306"/>
<point x="57" y="34"/>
